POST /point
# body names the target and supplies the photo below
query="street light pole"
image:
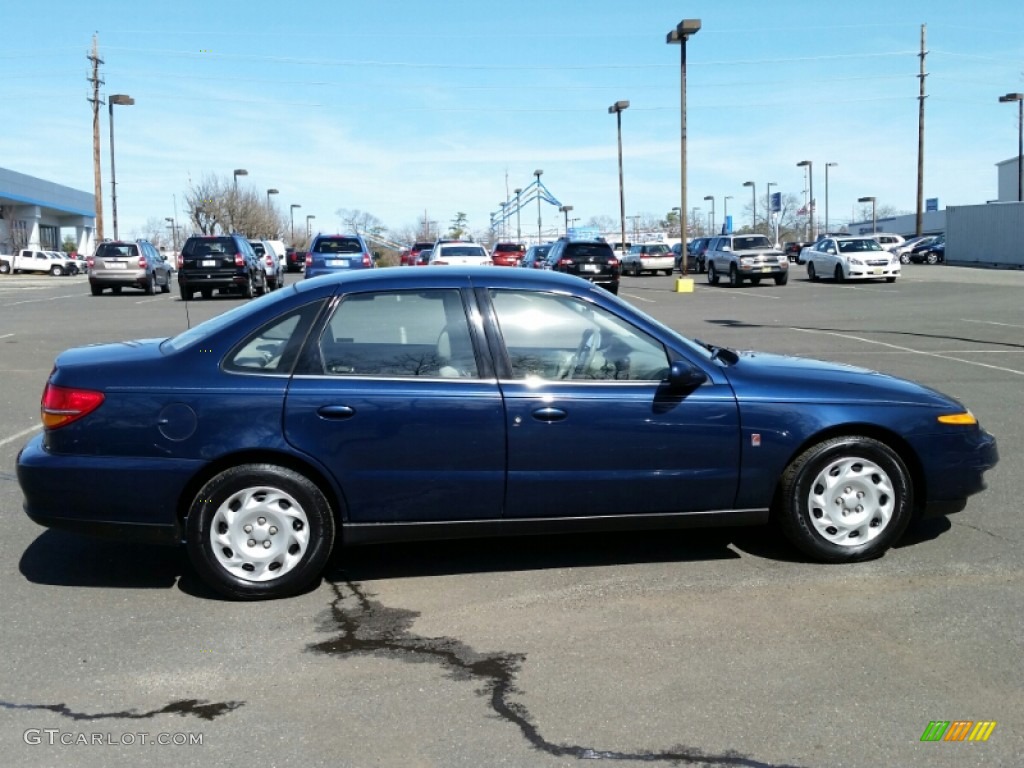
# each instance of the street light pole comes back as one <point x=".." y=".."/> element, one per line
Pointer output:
<point x="292" y="217"/>
<point x="683" y="31"/>
<point x="810" y="175"/>
<point x="617" y="109"/>
<point x="174" y="233"/>
<point x="565" y="209"/>
<point x="122" y="99"/>
<point x="768" y="209"/>
<point x="711" y="227"/>
<point x="519" y="231"/>
<point x="1008" y="98"/>
<point x="871" y="200"/>
<point x="827" y="166"/>
<point x="538" y="173"/>
<point x="753" y="204"/>
<point x="269" y="209"/>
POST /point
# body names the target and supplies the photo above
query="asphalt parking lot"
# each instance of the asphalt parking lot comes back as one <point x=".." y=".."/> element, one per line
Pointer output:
<point x="693" y="648"/>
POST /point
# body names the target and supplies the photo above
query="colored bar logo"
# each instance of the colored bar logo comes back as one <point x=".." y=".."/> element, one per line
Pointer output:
<point x="958" y="730"/>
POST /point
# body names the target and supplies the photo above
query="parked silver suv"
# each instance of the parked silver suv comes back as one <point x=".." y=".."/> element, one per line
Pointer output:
<point x="745" y="257"/>
<point x="121" y="264"/>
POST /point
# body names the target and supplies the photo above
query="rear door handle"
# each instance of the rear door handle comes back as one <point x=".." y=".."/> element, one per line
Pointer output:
<point x="336" y="412"/>
<point x="549" y="414"/>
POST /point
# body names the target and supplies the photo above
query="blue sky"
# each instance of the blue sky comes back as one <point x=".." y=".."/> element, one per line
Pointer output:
<point x="397" y="108"/>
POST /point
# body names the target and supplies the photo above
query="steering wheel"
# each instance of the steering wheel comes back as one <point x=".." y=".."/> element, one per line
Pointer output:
<point x="584" y="354"/>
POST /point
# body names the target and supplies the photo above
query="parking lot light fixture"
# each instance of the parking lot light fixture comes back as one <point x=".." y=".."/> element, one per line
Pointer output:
<point x="684" y="30"/>
<point x="239" y="172"/>
<point x="292" y="216"/>
<point x="538" y="174"/>
<point x="617" y="109"/>
<point x="1007" y="99"/>
<point x="120" y="99"/>
<point x="711" y="213"/>
<point x="809" y="165"/>
<point x="753" y="204"/>
<point x="871" y="200"/>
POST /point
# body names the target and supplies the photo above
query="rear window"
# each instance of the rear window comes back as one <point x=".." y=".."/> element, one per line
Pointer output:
<point x="337" y="245"/>
<point x="507" y="248"/>
<point x="464" y="250"/>
<point x="423" y="246"/>
<point x="588" y="251"/>
<point x="204" y="246"/>
<point x="117" y="250"/>
<point x="258" y="247"/>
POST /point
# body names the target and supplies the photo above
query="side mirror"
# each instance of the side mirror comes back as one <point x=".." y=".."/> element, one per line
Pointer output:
<point x="682" y="375"/>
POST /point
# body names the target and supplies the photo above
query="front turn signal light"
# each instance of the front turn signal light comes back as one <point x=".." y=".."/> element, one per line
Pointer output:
<point x="963" y="419"/>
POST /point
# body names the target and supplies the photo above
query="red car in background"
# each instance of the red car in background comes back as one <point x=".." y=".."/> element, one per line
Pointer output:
<point x="507" y="254"/>
<point x="409" y="257"/>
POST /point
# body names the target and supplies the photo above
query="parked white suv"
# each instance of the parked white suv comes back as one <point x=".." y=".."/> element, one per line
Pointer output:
<point x="745" y="257"/>
<point x="888" y="241"/>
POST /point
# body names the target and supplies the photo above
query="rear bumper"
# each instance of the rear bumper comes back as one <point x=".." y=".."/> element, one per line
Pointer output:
<point x="197" y="280"/>
<point x="132" y="278"/>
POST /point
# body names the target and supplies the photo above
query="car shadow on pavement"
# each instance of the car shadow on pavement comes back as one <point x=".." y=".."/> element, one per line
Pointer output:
<point x="72" y="560"/>
<point x="529" y="553"/>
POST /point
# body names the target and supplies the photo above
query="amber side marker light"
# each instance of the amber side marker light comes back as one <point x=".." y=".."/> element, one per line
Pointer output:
<point x="61" y="406"/>
<point x="962" y="419"/>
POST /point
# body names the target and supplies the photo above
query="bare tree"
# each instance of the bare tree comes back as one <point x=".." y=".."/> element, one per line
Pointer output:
<point x="217" y="205"/>
<point x="13" y="231"/>
<point x="360" y="221"/>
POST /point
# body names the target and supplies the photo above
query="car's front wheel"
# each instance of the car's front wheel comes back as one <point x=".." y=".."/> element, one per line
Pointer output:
<point x="259" y="531"/>
<point x="839" y="275"/>
<point x="734" y="276"/>
<point x="782" y="279"/>
<point x="904" y="258"/>
<point x="845" y="499"/>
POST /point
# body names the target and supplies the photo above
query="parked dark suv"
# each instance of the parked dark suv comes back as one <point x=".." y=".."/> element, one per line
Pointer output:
<point x="593" y="260"/>
<point x="224" y="262"/>
<point x="121" y="264"/>
<point x="330" y="253"/>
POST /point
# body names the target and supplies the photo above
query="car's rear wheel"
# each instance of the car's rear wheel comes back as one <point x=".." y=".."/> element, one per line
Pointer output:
<point x="845" y="499"/>
<point x="248" y="291"/>
<point x="5" y="268"/>
<point x="56" y="270"/>
<point x="734" y="276"/>
<point x="259" y="531"/>
<point x="812" y="273"/>
<point x="148" y="287"/>
<point x="839" y="275"/>
<point x="712" y="274"/>
<point x="95" y="290"/>
<point x="932" y="258"/>
<point x="165" y="287"/>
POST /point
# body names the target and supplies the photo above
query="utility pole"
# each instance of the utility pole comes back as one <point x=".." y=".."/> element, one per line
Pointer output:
<point x="96" y="81"/>
<point x="920" y="139"/>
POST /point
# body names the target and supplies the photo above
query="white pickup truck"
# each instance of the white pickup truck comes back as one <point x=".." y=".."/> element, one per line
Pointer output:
<point x="29" y="260"/>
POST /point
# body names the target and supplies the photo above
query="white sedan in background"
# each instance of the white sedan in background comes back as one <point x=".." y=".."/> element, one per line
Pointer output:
<point x="850" y="258"/>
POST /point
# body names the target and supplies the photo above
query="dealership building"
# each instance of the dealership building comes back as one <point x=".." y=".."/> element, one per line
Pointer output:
<point x="38" y="214"/>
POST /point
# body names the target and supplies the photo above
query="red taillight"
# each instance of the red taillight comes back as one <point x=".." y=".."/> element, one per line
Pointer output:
<point x="613" y="262"/>
<point x="367" y="261"/>
<point x="142" y="262"/>
<point x="181" y="260"/>
<point x="62" y="405"/>
<point x="239" y="260"/>
<point x="309" y="259"/>
<point x="90" y="262"/>
<point x="565" y="262"/>
<point x="270" y="260"/>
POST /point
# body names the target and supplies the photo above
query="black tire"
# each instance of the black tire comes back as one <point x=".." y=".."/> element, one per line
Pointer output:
<point x="712" y="274"/>
<point x="872" y="490"/>
<point x="839" y="275"/>
<point x="206" y="293"/>
<point x="783" y="278"/>
<point x="249" y="290"/>
<point x="281" y="522"/>
<point x="149" y="288"/>
<point x="812" y="273"/>
<point x="186" y="295"/>
<point x="904" y="258"/>
<point x="57" y="270"/>
<point x="702" y="265"/>
<point x="734" y="277"/>
<point x="668" y="272"/>
<point x="96" y="290"/>
<point x="5" y="268"/>
<point x="931" y="258"/>
<point x="166" y="285"/>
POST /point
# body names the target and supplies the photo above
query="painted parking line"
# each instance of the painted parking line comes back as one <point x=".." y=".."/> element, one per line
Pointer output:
<point x="19" y="435"/>
<point x="6" y="336"/>
<point x="640" y="298"/>
<point x="899" y="348"/>
<point x="990" y="322"/>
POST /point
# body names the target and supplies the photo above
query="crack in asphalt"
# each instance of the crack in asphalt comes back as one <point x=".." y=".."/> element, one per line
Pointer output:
<point x="183" y="708"/>
<point x="368" y="627"/>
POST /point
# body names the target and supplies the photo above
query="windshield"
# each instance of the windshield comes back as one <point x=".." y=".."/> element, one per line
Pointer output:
<point x="751" y="243"/>
<point x="853" y="246"/>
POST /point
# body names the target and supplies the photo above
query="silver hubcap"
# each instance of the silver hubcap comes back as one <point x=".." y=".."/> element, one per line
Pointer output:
<point x="259" y="534"/>
<point x="851" y="502"/>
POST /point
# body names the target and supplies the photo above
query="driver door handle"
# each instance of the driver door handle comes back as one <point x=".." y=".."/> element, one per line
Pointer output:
<point x="549" y="414"/>
<point x="336" y="412"/>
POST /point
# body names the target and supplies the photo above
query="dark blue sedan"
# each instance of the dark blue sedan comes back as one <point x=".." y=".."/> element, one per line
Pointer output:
<point x="404" y="404"/>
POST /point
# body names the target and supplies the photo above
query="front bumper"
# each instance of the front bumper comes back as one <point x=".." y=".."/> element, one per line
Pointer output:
<point x="955" y="469"/>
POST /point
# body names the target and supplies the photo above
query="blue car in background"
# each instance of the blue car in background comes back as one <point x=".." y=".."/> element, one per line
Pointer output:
<point x="399" y="404"/>
<point x="332" y="253"/>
